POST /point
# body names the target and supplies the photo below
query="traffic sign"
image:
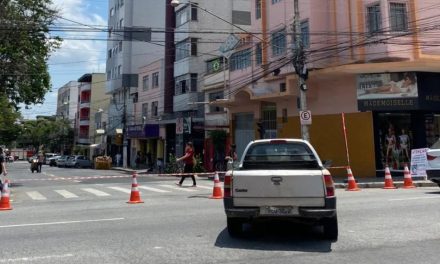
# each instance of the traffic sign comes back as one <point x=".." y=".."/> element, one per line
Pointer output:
<point x="305" y="117"/>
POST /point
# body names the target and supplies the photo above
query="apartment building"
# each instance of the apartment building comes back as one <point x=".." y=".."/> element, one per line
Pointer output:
<point x="370" y="60"/>
<point x="201" y="27"/>
<point x="67" y="101"/>
<point x="131" y="45"/>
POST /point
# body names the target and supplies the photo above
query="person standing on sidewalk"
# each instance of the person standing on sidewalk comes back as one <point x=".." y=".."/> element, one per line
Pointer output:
<point x="40" y="161"/>
<point x="2" y="167"/>
<point x="188" y="159"/>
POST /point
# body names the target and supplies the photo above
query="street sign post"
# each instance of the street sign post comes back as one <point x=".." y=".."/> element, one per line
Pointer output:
<point x="305" y="117"/>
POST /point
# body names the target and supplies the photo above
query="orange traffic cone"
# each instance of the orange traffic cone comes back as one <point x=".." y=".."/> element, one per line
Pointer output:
<point x="407" y="180"/>
<point x="135" y="196"/>
<point x="4" y="201"/>
<point x="352" y="185"/>
<point x="388" y="179"/>
<point x="217" y="191"/>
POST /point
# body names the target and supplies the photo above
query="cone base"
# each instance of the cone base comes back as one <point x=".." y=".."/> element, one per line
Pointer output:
<point x="135" y="202"/>
<point x="5" y="209"/>
<point x="216" y="197"/>
<point x="389" y="187"/>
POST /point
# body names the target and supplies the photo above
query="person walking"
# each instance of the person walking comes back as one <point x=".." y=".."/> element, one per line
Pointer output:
<point x="118" y="159"/>
<point x="2" y="167"/>
<point x="40" y="161"/>
<point x="188" y="159"/>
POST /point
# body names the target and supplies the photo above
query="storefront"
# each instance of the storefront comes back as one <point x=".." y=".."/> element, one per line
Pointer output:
<point x="406" y="114"/>
<point x="146" y="144"/>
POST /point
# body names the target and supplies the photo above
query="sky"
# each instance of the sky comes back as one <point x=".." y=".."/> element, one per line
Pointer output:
<point x="75" y="57"/>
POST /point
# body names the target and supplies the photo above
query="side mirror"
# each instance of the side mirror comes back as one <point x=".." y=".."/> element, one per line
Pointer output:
<point x="327" y="163"/>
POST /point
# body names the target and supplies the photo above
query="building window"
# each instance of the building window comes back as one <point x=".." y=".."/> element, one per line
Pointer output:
<point x="186" y="48"/>
<point x="145" y="82"/>
<point x="279" y="42"/>
<point x="109" y="75"/>
<point x="240" y="60"/>
<point x="186" y="13"/>
<point x="185" y="84"/>
<point x="215" y="65"/>
<point x="258" y="54"/>
<point x="119" y="71"/>
<point x="275" y="1"/>
<point x="213" y="97"/>
<point x="145" y="109"/>
<point x="374" y="20"/>
<point x="121" y="3"/>
<point x="120" y="46"/>
<point x="154" y="106"/>
<point x="282" y="87"/>
<point x="155" y="80"/>
<point x="284" y="118"/>
<point x="112" y="12"/>
<point x="121" y="23"/>
<point x="305" y="34"/>
<point x="398" y="17"/>
<point x="109" y="54"/>
<point x="257" y="9"/>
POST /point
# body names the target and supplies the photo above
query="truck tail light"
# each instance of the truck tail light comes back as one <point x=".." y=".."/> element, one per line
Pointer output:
<point x="430" y="157"/>
<point x="227" y="185"/>
<point x="329" y="185"/>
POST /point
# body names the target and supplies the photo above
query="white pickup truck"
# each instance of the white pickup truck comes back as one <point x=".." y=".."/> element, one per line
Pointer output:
<point x="280" y="178"/>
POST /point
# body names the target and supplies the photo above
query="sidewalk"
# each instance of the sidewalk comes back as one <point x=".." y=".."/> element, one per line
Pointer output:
<point x="340" y="183"/>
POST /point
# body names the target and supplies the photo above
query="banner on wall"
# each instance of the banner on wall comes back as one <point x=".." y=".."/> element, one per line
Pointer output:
<point x="419" y="162"/>
<point x="387" y="91"/>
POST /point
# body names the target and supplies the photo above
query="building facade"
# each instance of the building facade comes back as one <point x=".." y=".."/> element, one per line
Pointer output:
<point x="367" y="59"/>
<point x="130" y="46"/>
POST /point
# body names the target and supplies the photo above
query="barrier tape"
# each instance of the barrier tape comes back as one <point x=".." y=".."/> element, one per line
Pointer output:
<point x="201" y="174"/>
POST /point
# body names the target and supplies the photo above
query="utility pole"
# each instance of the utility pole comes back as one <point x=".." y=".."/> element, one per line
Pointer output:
<point x="300" y="68"/>
<point x="124" y="131"/>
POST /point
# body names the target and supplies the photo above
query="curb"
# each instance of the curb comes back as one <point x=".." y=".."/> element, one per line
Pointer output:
<point x="380" y="185"/>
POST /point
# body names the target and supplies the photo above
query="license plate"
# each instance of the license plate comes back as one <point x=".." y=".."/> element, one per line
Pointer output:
<point x="278" y="210"/>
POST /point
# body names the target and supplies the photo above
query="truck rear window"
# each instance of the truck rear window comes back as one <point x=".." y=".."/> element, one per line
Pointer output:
<point x="286" y="155"/>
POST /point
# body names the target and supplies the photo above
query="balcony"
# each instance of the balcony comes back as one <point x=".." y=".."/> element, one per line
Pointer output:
<point x="85" y="87"/>
<point x="181" y="101"/>
<point x="84" y="121"/>
<point x="84" y="104"/>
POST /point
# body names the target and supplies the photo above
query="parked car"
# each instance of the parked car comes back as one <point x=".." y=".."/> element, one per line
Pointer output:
<point x="61" y="161"/>
<point x="47" y="156"/>
<point x="52" y="161"/>
<point x="280" y="179"/>
<point x="433" y="157"/>
<point x="78" y="161"/>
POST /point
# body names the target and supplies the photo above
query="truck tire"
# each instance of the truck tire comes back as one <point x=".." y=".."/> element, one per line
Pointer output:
<point x="235" y="226"/>
<point x="330" y="226"/>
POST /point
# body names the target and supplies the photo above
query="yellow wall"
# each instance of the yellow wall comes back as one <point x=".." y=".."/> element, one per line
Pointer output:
<point x="326" y="135"/>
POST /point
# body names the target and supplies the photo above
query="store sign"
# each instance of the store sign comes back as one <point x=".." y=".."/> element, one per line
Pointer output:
<point x="419" y="163"/>
<point x="135" y="131"/>
<point x="387" y="91"/>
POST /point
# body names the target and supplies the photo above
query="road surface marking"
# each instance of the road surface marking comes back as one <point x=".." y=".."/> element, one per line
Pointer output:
<point x="153" y="189"/>
<point x="36" y="196"/>
<point x="65" y="222"/>
<point x="416" y="198"/>
<point x="95" y="192"/>
<point x="178" y="188"/>
<point x="204" y="187"/>
<point x="66" y="194"/>
<point x="35" y="258"/>
<point x="124" y="190"/>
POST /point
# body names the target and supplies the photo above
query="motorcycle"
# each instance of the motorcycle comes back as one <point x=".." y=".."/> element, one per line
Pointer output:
<point x="34" y="165"/>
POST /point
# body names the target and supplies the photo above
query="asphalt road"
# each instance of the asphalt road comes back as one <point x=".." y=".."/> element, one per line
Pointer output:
<point x="66" y="221"/>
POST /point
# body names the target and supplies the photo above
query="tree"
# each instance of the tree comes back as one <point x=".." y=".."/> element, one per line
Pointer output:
<point x="9" y="128"/>
<point x="25" y="45"/>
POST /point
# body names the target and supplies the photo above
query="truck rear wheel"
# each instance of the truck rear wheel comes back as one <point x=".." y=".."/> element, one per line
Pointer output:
<point x="330" y="226"/>
<point x="235" y="226"/>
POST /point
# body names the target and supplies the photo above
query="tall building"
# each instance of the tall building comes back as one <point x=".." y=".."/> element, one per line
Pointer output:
<point x="67" y="101"/>
<point x="131" y="45"/>
<point x="200" y="28"/>
<point x="368" y="60"/>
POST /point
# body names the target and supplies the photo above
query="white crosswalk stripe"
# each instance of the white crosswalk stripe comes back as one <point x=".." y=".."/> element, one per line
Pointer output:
<point x="153" y="189"/>
<point x="66" y="194"/>
<point x="95" y="192"/>
<point x="124" y="190"/>
<point x="177" y="188"/>
<point x="34" y="195"/>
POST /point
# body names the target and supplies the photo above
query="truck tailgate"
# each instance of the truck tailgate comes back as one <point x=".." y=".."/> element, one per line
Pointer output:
<point x="278" y="187"/>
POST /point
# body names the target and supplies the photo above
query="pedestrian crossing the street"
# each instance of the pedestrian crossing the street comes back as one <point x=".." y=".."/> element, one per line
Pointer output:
<point x="108" y="191"/>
